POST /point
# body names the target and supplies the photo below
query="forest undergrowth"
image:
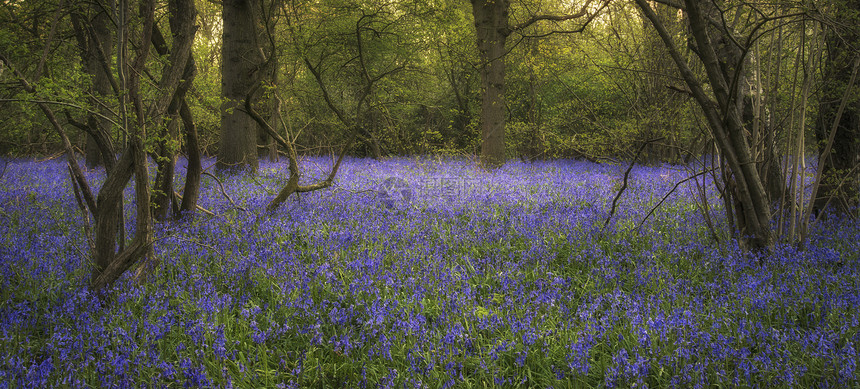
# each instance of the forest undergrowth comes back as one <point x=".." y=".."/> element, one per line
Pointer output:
<point x="424" y="273"/>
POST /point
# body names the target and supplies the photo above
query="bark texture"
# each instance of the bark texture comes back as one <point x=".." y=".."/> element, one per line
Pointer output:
<point x="182" y="15"/>
<point x="239" y="60"/>
<point x="191" y="191"/>
<point x="491" y="24"/>
<point x="95" y="42"/>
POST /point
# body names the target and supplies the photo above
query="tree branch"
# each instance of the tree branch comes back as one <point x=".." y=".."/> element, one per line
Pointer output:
<point x="224" y="192"/>
<point x="669" y="193"/>
<point x="293" y="181"/>
<point x="624" y="185"/>
<point x="67" y="144"/>
<point x="555" y="18"/>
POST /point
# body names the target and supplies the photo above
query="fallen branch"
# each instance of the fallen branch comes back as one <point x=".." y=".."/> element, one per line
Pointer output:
<point x="224" y="192"/>
<point x="199" y="208"/>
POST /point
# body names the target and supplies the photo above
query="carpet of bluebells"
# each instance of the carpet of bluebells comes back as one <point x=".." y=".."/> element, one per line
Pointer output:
<point x="426" y="273"/>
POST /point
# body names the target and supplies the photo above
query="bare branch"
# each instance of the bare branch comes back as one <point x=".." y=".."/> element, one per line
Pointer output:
<point x="626" y="176"/>
<point x="293" y="181"/>
<point x="67" y="144"/>
<point x="60" y="103"/>
<point x="224" y="192"/>
<point x="824" y="154"/>
<point x="555" y="18"/>
<point x="651" y="212"/>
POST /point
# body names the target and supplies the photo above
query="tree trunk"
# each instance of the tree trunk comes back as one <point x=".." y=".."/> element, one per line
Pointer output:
<point x="238" y="147"/>
<point x="101" y="82"/>
<point x="724" y="116"/>
<point x="109" y="197"/>
<point x="95" y="42"/>
<point x="841" y="176"/>
<point x="182" y="14"/>
<point x="182" y="18"/>
<point x="491" y="24"/>
<point x="162" y="195"/>
<point x="269" y="148"/>
<point x="109" y="262"/>
<point x="110" y="265"/>
<point x="191" y="192"/>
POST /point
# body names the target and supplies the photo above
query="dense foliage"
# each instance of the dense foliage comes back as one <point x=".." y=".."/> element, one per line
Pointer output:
<point x="480" y="279"/>
<point x="592" y="94"/>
